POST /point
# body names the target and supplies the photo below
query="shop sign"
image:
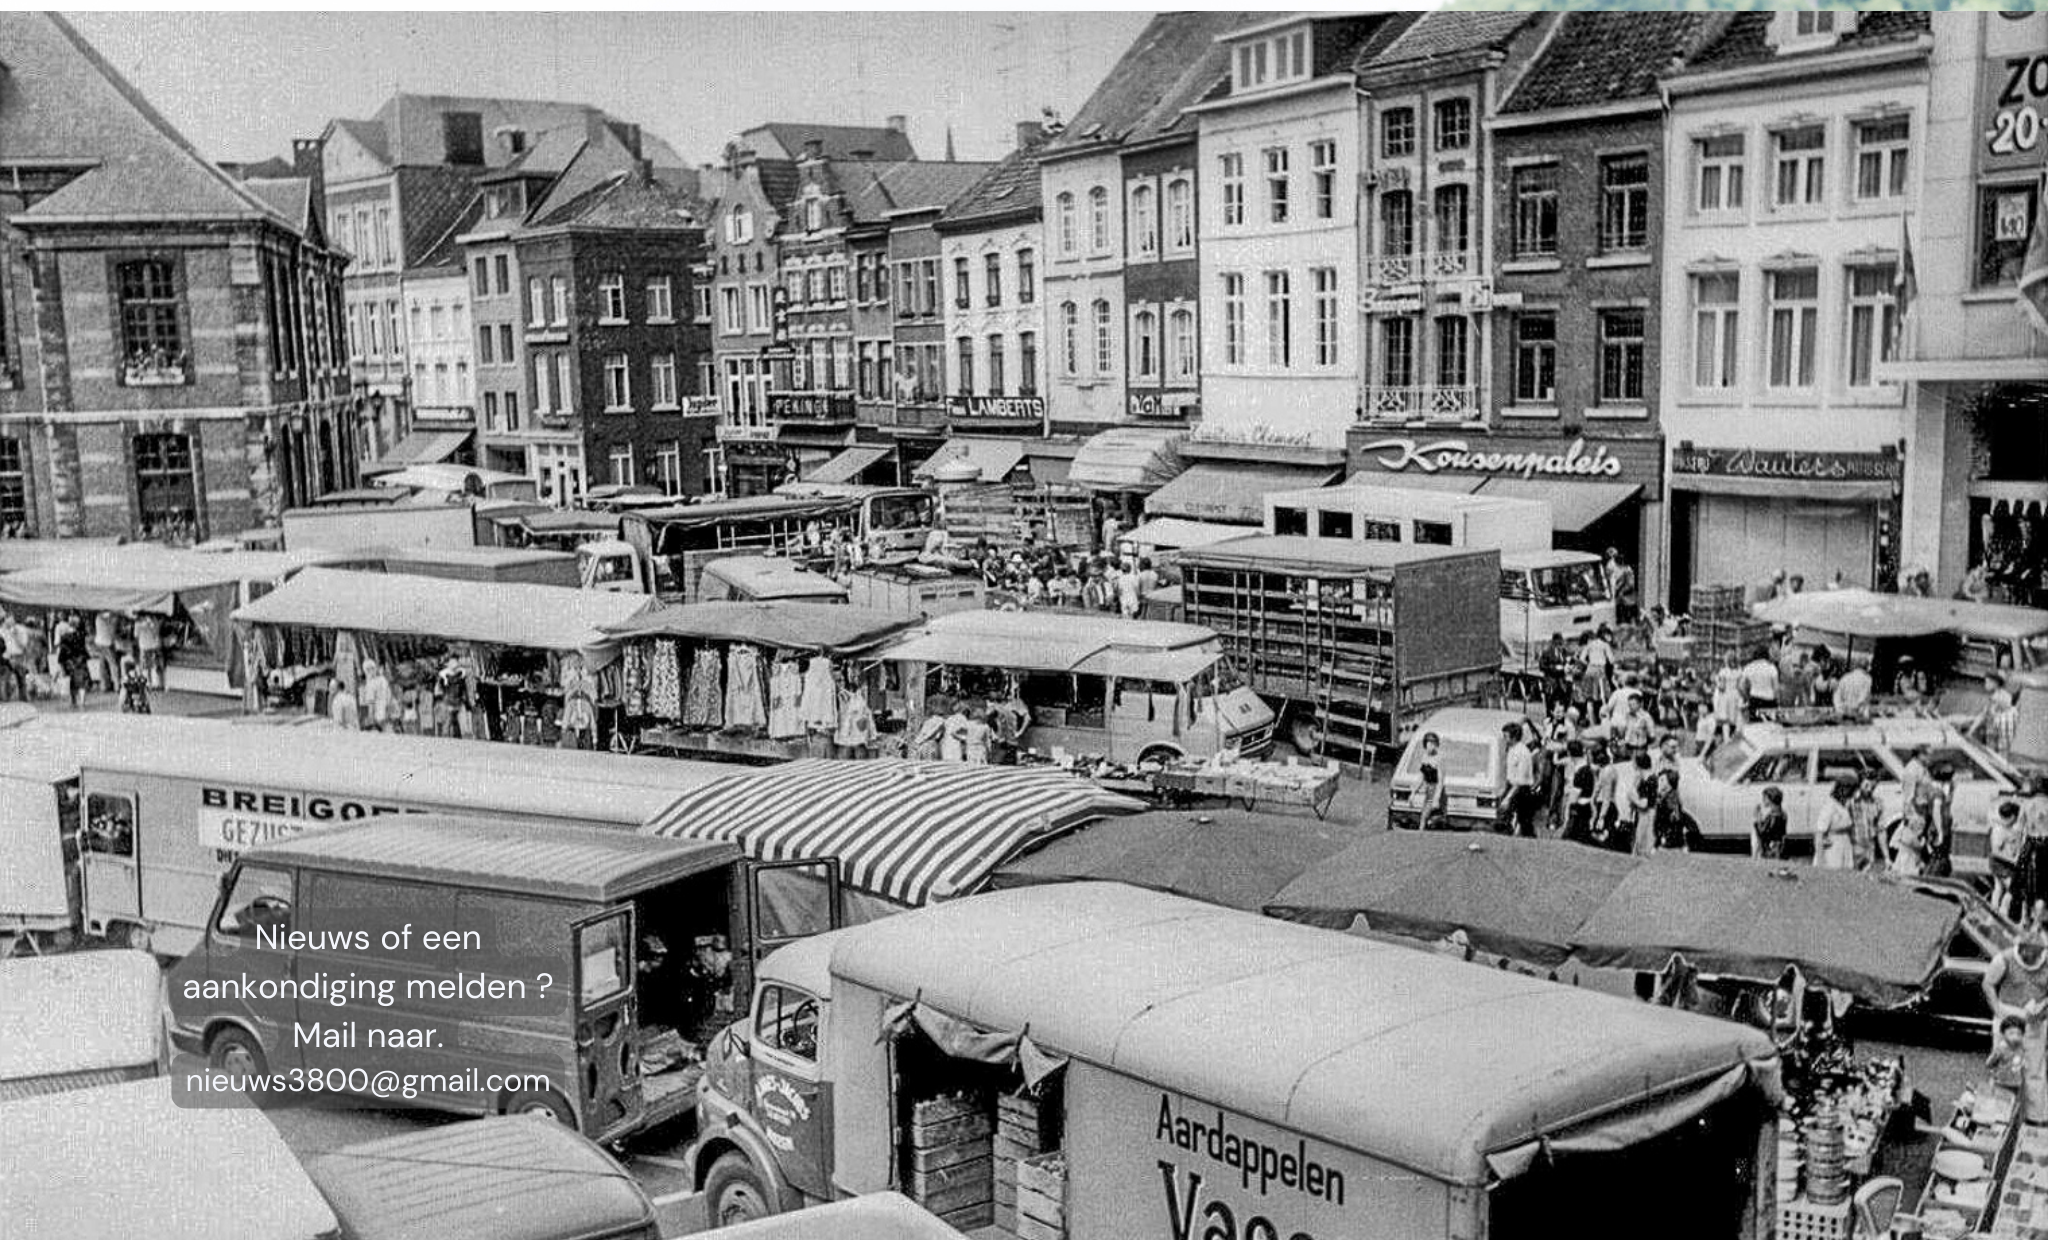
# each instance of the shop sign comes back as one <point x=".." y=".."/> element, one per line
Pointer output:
<point x="1012" y="408"/>
<point x="745" y="432"/>
<point x="2010" y="112"/>
<point x="1787" y="464"/>
<point x="699" y="407"/>
<point x="1397" y="299"/>
<point x="814" y="406"/>
<point x="1457" y="456"/>
<point x="1255" y="434"/>
<point x="1482" y="297"/>
<point x="1165" y="404"/>
<point x="232" y="820"/>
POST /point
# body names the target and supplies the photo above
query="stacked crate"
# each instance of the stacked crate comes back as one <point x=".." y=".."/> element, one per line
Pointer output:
<point x="1003" y="514"/>
<point x="951" y="1160"/>
<point x="1722" y="625"/>
<point x="1042" y="1198"/>
<point x="1019" y="1136"/>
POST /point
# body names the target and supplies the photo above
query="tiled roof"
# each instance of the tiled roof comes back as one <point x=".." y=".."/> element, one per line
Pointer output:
<point x="270" y="168"/>
<point x="875" y="189"/>
<point x="1341" y="43"/>
<point x="594" y="161"/>
<point x="434" y="199"/>
<point x="289" y="198"/>
<point x="779" y="182"/>
<point x="445" y="252"/>
<point x="1744" y="41"/>
<point x="839" y="141"/>
<point x="1443" y="34"/>
<point x="1006" y="189"/>
<point x="627" y="200"/>
<point x="1604" y="57"/>
<point x="1157" y="64"/>
<point x="65" y="103"/>
<point x="550" y="152"/>
<point x="369" y="134"/>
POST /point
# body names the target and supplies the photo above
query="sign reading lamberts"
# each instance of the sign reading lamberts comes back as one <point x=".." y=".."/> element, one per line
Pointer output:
<point x="1457" y="456"/>
<point x="1006" y="408"/>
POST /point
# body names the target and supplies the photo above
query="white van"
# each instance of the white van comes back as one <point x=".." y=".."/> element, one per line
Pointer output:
<point x="79" y="1020"/>
<point x="1472" y="757"/>
<point x="122" y="1161"/>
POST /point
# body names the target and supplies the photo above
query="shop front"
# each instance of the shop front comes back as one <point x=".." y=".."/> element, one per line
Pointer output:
<point x="2007" y="532"/>
<point x="1740" y="516"/>
<point x="1229" y="474"/>
<point x="1603" y="492"/>
<point x="1123" y="465"/>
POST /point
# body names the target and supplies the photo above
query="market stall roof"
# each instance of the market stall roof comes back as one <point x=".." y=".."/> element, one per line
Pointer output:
<point x="1174" y="533"/>
<point x="872" y="1216"/>
<point x="1445" y="1069"/>
<point x="1230" y="857"/>
<point x="1127" y="458"/>
<point x="850" y="463"/>
<point x="144" y="578"/>
<point x="1512" y="897"/>
<point x="567" y="521"/>
<point x="995" y="457"/>
<point x="913" y="832"/>
<point x="688" y="516"/>
<point x="765" y="578"/>
<point x="439" y="476"/>
<point x="1218" y="491"/>
<point x="494" y="613"/>
<point x="19" y="553"/>
<point x="418" y="448"/>
<point x="1037" y="642"/>
<point x="1169" y="666"/>
<point x="1289" y="553"/>
<point x="1846" y="931"/>
<point x="1862" y="613"/>
<point x="1573" y="505"/>
<point x="786" y="624"/>
<point x="358" y="497"/>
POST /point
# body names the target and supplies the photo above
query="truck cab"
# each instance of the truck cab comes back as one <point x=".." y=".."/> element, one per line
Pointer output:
<point x="612" y="565"/>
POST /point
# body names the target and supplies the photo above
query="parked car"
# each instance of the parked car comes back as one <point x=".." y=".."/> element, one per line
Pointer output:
<point x="1956" y="999"/>
<point x="1471" y="754"/>
<point x="1722" y="787"/>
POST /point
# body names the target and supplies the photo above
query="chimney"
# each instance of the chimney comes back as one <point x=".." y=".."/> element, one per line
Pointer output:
<point x="1029" y="134"/>
<point x="309" y="161"/>
<point x="898" y="123"/>
<point x="645" y="170"/>
<point x="628" y="135"/>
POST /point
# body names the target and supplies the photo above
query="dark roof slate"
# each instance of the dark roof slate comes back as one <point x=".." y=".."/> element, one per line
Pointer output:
<point x="1443" y="34"/>
<point x="626" y="200"/>
<point x="1134" y="93"/>
<point x="1604" y="58"/>
<point x="1009" y="188"/>
<point x="434" y="199"/>
<point x="446" y="252"/>
<point x="1745" y="41"/>
<point x="839" y="141"/>
<point x="875" y="189"/>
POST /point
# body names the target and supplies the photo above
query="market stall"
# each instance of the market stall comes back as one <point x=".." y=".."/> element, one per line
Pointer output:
<point x="1231" y="857"/>
<point x="487" y="659"/>
<point x="754" y="680"/>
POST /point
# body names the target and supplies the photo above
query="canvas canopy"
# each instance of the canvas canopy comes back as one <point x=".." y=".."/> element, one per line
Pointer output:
<point x="785" y="624"/>
<point x="1429" y="1064"/>
<point x="1235" y="858"/>
<point x="1127" y="458"/>
<point x="530" y="617"/>
<point x="141" y="578"/>
<point x="1175" y="533"/>
<point x="1216" y="491"/>
<point x="1862" y="613"/>
<point x="913" y="832"/>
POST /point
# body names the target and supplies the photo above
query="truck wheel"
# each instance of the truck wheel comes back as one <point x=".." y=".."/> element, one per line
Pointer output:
<point x="1304" y="735"/>
<point x="1164" y="755"/>
<point x="543" y="1104"/>
<point x="128" y="934"/>
<point x="235" y="1051"/>
<point x="734" y="1191"/>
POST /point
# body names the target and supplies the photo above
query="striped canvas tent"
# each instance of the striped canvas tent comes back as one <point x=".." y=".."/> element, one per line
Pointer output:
<point x="913" y="832"/>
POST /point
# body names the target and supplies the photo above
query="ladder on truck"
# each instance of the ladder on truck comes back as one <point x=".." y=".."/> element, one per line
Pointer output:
<point x="1344" y="699"/>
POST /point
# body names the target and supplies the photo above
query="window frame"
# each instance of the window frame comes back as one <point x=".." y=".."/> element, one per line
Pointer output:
<point x="1730" y="169"/>
<point x="1630" y="200"/>
<point x="1453" y="365"/>
<point x="1542" y="352"/>
<point x="1274" y="164"/>
<point x="1177" y="236"/>
<point x="1278" y="285"/>
<point x="1182" y="346"/>
<point x="1100" y="241"/>
<point x="1233" y="300"/>
<point x="1397" y="132"/>
<point x="1801" y="368"/>
<point x="657" y="366"/>
<point x="1623" y="357"/>
<point x="1230" y="176"/>
<point x="1726" y="318"/>
<point x="179" y="479"/>
<point x="992" y="278"/>
<point x="150" y="316"/>
<point x="1102" y="324"/>
<point x="1397" y="343"/>
<point x="1893" y="158"/>
<point x="1535" y="209"/>
<point x="1879" y="309"/>
<point x="1806" y="164"/>
<point x="611" y="298"/>
<point x="1450" y="124"/>
<point x="1146" y="340"/>
<point x="1144" y="241"/>
<point x="660" y="292"/>
<point x="1328" y="350"/>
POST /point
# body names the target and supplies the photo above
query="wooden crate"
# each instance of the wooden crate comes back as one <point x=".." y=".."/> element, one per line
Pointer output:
<point x="1041" y="1197"/>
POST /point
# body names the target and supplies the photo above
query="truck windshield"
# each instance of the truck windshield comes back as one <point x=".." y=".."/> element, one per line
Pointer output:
<point x="607" y="569"/>
<point x="1570" y="585"/>
<point x="900" y="512"/>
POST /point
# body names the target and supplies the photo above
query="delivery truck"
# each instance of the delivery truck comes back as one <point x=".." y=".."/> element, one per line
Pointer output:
<point x="167" y="804"/>
<point x="1097" y="1062"/>
<point x="647" y="938"/>
<point x="1352" y="641"/>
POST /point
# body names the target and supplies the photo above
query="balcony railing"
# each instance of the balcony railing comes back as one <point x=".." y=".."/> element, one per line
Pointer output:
<point x="1418" y="268"/>
<point x="1451" y="405"/>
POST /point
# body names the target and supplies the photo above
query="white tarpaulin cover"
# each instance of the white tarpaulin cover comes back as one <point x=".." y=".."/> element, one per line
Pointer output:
<point x="1430" y="1064"/>
<point x="494" y="613"/>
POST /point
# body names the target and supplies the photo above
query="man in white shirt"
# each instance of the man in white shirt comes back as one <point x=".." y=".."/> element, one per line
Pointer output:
<point x="1760" y="684"/>
<point x="1521" y="772"/>
<point x="1852" y="691"/>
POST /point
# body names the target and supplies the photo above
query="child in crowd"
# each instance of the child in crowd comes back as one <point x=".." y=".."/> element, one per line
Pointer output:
<point x="1767" y="833"/>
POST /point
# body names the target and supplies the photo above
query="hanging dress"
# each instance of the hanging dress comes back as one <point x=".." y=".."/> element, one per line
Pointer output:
<point x="785" y="701"/>
<point x="665" y="680"/>
<point x="633" y="668"/>
<point x="856" y="722"/>
<point x="704" y="703"/>
<point x="347" y="661"/>
<point x="744" y="707"/>
<point x="820" y="707"/>
<point x="579" y="701"/>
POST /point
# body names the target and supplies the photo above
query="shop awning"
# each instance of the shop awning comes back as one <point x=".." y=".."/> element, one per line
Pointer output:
<point x="914" y="832"/>
<point x="1174" y="534"/>
<point x="419" y="448"/>
<point x="786" y="624"/>
<point x="849" y="464"/>
<point x="431" y="476"/>
<point x="1853" y="491"/>
<point x="1231" y="857"/>
<point x="531" y="617"/>
<point x="1455" y="484"/>
<point x="1573" y="505"/>
<point x="994" y="457"/>
<point x="1212" y="491"/>
<point x="143" y="578"/>
<point x="1127" y="458"/>
<point x="1050" y="460"/>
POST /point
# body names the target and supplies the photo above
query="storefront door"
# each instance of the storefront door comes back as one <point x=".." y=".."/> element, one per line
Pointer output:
<point x="1743" y="540"/>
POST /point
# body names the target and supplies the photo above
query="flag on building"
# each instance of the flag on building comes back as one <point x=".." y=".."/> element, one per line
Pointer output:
<point x="1905" y="288"/>
<point x="2034" y="269"/>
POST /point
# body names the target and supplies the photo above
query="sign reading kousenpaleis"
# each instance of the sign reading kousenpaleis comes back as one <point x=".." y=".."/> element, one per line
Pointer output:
<point x="1787" y="464"/>
<point x="1577" y="459"/>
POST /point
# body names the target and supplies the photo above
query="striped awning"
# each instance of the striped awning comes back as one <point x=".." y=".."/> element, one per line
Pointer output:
<point x="913" y="832"/>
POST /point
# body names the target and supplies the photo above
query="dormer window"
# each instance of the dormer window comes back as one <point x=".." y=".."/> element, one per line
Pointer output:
<point x="814" y="212"/>
<point x="739" y="226"/>
<point x="1810" y="29"/>
<point x="1272" y="61"/>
